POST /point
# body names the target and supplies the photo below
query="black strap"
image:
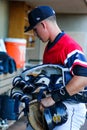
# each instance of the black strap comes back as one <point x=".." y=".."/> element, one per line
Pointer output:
<point x="60" y="95"/>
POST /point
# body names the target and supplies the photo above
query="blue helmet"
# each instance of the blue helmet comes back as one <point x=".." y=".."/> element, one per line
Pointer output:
<point x="55" y="115"/>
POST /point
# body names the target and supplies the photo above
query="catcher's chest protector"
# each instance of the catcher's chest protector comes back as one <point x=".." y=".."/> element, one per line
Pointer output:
<point x="63" y="74"/>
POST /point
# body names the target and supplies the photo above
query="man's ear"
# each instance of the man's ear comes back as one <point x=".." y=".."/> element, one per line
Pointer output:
<point x="43" y="24"/>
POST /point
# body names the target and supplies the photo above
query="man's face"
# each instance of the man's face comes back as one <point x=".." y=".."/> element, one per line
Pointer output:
<point x="41" y="31"/>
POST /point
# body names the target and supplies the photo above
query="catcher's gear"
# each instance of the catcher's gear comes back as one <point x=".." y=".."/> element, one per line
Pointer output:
<point x="49" y="118"/>
<point x="35" y="117"/>
<point x="63" y="73"/>
<point x="81" y="96"/>
<point x="25" y="86"/>
<point x="16" y="81"/>
<point x="49" y="78"/>
<point x="60" y="95"/>
<point x="41" y="84"/>
<point x="53" y="77"/>
<point x="42" y="80"/>
<point x="15" y="94"/>
<point x="48" y="70"/>
<point x="55" y="115"/>
<point x="26" y="100"/>
<point x="20" y="97"/>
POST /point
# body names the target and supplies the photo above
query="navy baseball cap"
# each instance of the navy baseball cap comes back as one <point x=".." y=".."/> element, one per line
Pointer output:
<point x="38" y="14"/>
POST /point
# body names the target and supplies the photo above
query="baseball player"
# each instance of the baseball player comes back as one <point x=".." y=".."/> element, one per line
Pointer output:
<point x="61" y="49"/>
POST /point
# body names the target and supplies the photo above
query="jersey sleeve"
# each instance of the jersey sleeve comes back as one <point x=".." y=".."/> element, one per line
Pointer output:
<point x="75" y="57"/>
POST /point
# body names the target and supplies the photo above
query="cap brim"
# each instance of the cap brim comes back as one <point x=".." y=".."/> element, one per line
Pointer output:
<point x="28" y="28"/>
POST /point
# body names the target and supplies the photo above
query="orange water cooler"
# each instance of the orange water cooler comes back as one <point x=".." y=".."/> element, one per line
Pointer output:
<point x="16" y="48"/>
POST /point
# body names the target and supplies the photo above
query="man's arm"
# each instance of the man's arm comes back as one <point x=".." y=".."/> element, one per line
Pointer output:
<point x="76" y="84"/>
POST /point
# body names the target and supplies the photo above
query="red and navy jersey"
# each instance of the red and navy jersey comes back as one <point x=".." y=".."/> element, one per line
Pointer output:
<point x="65" y="51"/>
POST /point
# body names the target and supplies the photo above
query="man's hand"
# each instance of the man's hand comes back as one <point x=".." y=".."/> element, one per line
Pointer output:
<point x="47" y="102"/>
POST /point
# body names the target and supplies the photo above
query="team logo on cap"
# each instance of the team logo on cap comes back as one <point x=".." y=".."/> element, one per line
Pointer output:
<point x="53" y="12"/>
<point x="38" y="18"/>
<point x="56" y="118"/>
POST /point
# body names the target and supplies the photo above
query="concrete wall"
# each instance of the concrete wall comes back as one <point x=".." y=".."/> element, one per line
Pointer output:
<point x="33" y="53"/>
<point x="73" y="22"/>
<point x="4" y="12"/>
<point x="76" y="26"/>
